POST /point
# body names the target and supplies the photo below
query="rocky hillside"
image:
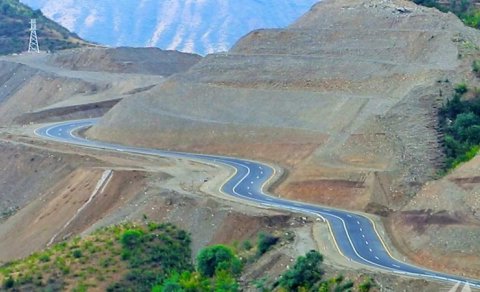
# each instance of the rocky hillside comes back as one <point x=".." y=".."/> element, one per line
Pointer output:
<point x="345" y="99"/>
<point x="321" y="101"/>
<point x="67" y="84"/>
<point x="189" y="26"/>
<point x="15" y="24"/>
<point x="149" y="61"/>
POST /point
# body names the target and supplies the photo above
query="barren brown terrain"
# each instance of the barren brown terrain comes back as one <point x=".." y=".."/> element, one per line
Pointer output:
<point x="350" y="90"/>
<point x="344" y="100"/>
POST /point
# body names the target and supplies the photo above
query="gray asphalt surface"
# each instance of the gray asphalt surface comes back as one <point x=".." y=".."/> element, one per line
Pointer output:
<point x="355" y="235"/>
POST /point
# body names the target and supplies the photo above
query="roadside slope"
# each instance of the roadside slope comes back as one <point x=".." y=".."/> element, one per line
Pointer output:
<point x="354" y="108"/>
<point x="72" y="83"/>
<point x="336" y="96"/>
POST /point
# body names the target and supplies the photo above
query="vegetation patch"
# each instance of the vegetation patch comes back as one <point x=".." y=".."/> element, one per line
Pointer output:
<point x="459" y="120"/>
<point x="265" y="242"/>
<point x="307" y="275"/>
<point x="157" y="257"/>
<point x="466" y="10"/>
<point x="14" y="30"/>
<point x="125" y="257"/>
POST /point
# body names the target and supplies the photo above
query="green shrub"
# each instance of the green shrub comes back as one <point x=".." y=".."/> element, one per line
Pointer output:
<point x="186" y="281"/>
<point x="460" y="122"/>
<point x="214" y="258"/>
<point x="265" y="242"/>
<point x="44" y="258"/>
<point x="305" y="273"/>
<point x="225" y="282"/>
<point x="366" y="285"/>
<point x="472" y="19"/>
<point x="77" y="253"/>
<point x="131" y="237"/>
<point x="461" y="88"/>
<point x="476" y="66"/>
<point x="9" y="283"/>
<point x="247" y="245"/>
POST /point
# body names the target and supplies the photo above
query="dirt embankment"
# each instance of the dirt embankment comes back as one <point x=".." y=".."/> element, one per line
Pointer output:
<point x="81" y="83"/>
<point x="440" y="226"/>
<point x="151" y="61"/>
<point x="21" y="164"/>
<point x="350" y="92"/>
<point x="345" y="105"/>
<point x="342" y="111"/>
<point x="28" y="89"/>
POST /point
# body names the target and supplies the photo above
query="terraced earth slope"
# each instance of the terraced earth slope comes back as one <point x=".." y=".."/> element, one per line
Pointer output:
<point x="43" y="187"/>
<point x="74" y="83"/>
<point x="345" y="98"/>
<point x="339" y="97"/>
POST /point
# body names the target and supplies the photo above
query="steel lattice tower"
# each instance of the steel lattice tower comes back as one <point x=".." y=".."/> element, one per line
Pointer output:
<point x="33" y="43"/>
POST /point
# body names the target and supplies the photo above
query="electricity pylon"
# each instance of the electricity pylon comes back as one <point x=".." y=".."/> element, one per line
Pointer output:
<point x="33" y="43"/>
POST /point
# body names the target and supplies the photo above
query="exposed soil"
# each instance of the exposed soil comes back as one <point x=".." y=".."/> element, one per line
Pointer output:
<point x="151" y="61"/>
<point x="349" y="114"/>
<point x="91" y="110"/>
<point x="356" y="106"/>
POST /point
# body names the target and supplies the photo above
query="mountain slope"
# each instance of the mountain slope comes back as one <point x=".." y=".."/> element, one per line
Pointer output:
<point x="190" y="26"/>
<point x="14" y="29"/>
<point x="345" y="99"/>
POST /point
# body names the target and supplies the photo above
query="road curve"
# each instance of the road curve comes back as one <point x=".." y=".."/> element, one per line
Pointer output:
<point x="355" y="235"/>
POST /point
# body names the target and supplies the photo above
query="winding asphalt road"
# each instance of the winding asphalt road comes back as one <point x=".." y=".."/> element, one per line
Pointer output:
<point x="355" y="235"/>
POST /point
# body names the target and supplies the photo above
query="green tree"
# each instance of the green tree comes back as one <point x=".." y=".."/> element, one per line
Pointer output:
<point x="305" y="273"/>
<point x="453" y="107"/>
<point x="465" y="120"/>
<point x="172" y="284"/>
<point x="225" y="282"/>
<point x="217" y="257"/>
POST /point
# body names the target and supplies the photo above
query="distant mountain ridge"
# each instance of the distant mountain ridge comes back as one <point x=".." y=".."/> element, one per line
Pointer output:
<point x="199" y="26"/>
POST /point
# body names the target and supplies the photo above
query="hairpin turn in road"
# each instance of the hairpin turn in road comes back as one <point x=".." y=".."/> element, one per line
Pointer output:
<point x="355" y="235"/>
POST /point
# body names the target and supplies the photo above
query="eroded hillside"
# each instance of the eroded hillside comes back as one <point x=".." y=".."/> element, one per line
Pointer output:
<point x="345" y="99"/>
<point x="349" y="113"/>
<point x="346" y="105"/>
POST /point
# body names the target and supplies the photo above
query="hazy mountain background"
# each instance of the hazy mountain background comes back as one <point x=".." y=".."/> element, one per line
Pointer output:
<point x="200" y="26"/>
